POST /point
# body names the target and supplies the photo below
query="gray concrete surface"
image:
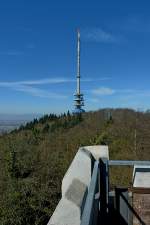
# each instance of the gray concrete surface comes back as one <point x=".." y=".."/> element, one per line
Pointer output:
<point x="75" y="184"/>
<point x="141" y="176"/>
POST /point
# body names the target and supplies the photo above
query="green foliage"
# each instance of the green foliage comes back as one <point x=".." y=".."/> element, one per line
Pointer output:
<point x="46" y="128"/>
<point x="102" y="139"/>
<point x="35" y="157"/>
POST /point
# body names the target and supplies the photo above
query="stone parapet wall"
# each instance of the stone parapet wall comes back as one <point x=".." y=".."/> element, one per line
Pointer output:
<point x="75" y="185"/>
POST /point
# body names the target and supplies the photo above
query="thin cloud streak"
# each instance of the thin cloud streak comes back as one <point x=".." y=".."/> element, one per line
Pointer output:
<point x="103" y="91"/>
<point x="48" y="81"/>
<point x="128" y="93"/>
<point x="35" y="82"/>
<point x="99" y="35"/>
<point x="28" y="86"/>
<point x="38" y="92"/>
<point x="92" y="80"/>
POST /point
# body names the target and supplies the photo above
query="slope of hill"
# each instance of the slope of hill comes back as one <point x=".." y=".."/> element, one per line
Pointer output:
<point x="35" y="157"/>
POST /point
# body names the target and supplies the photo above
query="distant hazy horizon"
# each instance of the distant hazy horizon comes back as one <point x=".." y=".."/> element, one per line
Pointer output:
<point x="31" y="116"/>
<point x="9" y="116"/>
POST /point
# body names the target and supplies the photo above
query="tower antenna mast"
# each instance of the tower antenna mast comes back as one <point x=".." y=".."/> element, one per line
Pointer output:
<point x="78" y="62"/>
<point x="79" y="101"/>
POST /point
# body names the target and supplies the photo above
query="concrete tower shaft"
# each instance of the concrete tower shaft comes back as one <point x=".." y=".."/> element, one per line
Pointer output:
<point x="78" y="62"/>
<point x="79" y="101"/>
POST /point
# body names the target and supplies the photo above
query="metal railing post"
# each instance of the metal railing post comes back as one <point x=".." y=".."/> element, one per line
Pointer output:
<point x="104" y="186"/>
<point x="91" y="208"/>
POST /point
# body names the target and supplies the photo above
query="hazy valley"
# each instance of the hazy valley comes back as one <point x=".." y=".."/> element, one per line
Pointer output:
<point x="10" y="122"/>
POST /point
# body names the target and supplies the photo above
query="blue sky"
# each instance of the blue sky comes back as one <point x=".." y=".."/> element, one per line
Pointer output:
<point x="38" y="54"/>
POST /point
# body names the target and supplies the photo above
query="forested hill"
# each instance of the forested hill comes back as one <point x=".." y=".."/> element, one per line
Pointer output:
<point x="34" y="158"/>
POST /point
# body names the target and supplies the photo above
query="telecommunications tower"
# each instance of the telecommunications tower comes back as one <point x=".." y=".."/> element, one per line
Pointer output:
<point x="79" y="101"/>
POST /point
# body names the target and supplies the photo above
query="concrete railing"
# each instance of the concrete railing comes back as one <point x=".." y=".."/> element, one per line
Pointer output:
<point x="75" y="185"/>
<point x="86" y="196"/>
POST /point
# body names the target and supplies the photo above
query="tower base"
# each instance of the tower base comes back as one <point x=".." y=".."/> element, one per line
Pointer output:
<point x="78" y="111"/>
